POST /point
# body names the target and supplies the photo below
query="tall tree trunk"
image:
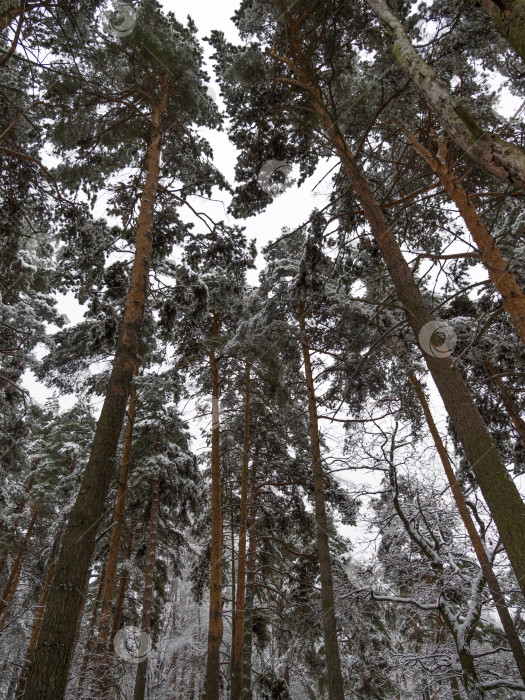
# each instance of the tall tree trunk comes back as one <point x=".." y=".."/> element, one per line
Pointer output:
<point x="213" y="669"/>
<point x="88" y="652"/>
<point x="333" y="661"/>
<point x="510" y="404"/>
<point x="453" y="681"/>
<point x="509" y="18"/>
<point x="499" y="157"/>
<point x="251" y="563"/>
<point x="497" y="487"/>
<point x="36" y="629"/>
<point x="119" y="607"/>
<point x="477" y="543"/>
<point x="149" y="585"/>
<point x="49" y="672"/>
<point x="238" y="643"/>
<point x="12" y="582"/>
<point x="500" y="275"/>
<point x="106" y="611"/>
<point x="232" y="545"/>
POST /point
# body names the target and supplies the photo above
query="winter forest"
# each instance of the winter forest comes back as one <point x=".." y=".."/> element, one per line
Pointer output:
<point x="262" y="363"/>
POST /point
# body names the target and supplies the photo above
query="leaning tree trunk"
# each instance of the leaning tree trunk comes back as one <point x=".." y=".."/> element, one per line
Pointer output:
<point x="149" y="584"/>
<point x="469" y="677"/>
<point x="500" y="275"/>
<point x="509" y="18"/>
<point x="106" y="611"/>
<point x="49" y="671"/>
<point x="333" y="660"/>
<point x="12" y="582"/>
<point x="477" y="543"/>
<point x="213" y="668"/>
<point x="119" y="608"/>
<point x="499" y="157"/>
<point x="88" y="651"/>
<point x="238" y="642"/>
<point x="497" y="487"/>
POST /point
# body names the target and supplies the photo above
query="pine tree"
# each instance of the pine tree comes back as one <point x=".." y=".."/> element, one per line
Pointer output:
<point x="298" y="65"/>
<point x="161" y="91"/>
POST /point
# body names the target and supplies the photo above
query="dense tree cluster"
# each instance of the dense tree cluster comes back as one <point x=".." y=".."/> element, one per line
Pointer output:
<point x="344" y="515"/>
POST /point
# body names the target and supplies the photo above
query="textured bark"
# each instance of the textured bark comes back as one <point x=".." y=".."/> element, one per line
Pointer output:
<point x="477" y="543"/>
<point x="497" y="487"/>
<point x="333" y="661"/>
<point x="149" y="584"/>
<point x="500" y="275"/>
<point x="49" y="672"/>
<point x="509" y="18"/>
<point x="238" y="642"/>
<point x="502" y="158"/>
<point x="36" y="629"/>
<point x="212" y="682"/>
<point x="251" y="562"/>
<point x="106" y="611"/>
<point x="12" y="582"/>
<point x="512" y="409"/>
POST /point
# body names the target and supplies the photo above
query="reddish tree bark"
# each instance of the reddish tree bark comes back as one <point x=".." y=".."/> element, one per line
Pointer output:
<point x="106" y="611"/>
<point x="498" y="489"/>
<point x="119" y="607"/>
<point x="49" y="672"/>
<point x="500" y="275"/>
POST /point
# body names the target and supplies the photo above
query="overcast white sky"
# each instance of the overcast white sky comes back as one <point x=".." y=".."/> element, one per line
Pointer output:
<point x="289" y="210"/>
